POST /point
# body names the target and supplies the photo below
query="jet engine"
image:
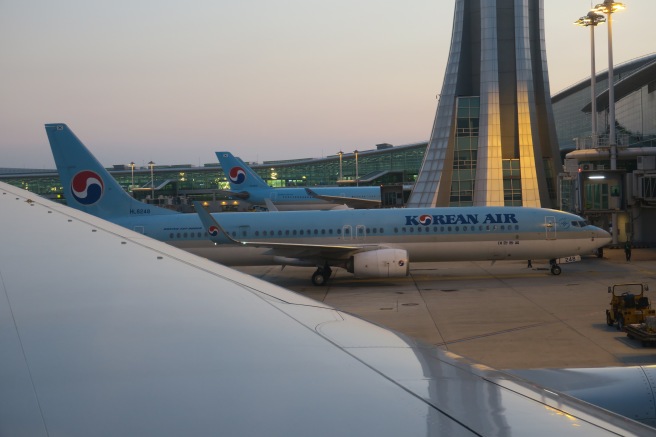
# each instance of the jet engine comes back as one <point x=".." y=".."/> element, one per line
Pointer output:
<point x="382" y="263"/>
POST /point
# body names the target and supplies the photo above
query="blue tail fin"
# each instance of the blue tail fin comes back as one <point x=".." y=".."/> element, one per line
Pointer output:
<point x="87" y="185"/>
<point x="239" y="174"/>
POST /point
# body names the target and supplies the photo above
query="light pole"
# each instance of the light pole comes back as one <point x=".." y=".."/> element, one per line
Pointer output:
<point x="132" y="184"/>
<point x="591" y="20"/>
<point x="357" y="176"/>
<point x="152" y="181"/>
<point x="608" y="7"/>
<point x="340" y="153"/>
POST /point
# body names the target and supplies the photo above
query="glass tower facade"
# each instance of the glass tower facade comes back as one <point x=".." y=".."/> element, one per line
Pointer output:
<point x="493" y="140"/>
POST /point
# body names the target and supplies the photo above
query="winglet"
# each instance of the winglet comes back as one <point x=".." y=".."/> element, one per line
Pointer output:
<point x="311" y="193"/>
<point x="269" y="204"/>
<point x="212" y="227"/>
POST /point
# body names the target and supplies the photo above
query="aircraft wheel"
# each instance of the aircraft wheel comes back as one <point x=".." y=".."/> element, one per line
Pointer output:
<point x="556" y="270"/>
<point x="319" y="278"/>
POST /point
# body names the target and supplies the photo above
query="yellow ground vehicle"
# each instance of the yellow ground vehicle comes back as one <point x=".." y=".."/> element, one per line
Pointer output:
<point x="628" y="305"/>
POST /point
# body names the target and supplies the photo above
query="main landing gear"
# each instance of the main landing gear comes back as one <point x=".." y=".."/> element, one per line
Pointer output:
<point x="555" y="268"/>
<point x="321" y="276"/>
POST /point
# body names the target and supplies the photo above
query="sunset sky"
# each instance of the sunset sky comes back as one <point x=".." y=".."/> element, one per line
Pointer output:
<point x="173" y="82"/>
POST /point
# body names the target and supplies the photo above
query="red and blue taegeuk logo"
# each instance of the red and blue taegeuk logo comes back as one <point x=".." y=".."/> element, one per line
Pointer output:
<point x="213" y="231"/>
<point x="87" y="187"/>
<point x="237" y="175"/>
<point x="425" y="219"/>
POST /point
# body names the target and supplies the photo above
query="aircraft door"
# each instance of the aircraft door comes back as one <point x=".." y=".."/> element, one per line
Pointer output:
<point x="360" y="232"/>
<point x="346" y="232"/>
<point x="550" y="227"/>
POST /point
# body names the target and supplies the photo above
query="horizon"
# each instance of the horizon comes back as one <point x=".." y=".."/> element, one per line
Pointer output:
<point x="174" y="83"/>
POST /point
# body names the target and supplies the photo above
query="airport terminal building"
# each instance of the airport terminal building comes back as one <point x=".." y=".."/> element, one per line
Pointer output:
<point x="587" y="186"/>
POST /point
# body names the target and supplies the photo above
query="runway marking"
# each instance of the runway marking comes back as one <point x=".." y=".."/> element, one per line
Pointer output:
<point x="490" y="334"/>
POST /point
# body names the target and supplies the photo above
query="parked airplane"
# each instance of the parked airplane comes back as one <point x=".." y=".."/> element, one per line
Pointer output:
<point x="119" y="334"/>
<point x="248" y="185"/>
<point x="367" y="243"/>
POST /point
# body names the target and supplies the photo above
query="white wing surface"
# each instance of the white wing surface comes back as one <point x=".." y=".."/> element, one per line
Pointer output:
<point x="106" y="332"/>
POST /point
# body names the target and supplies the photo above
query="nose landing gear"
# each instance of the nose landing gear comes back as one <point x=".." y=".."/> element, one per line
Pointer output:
<point x="555" y="268"/>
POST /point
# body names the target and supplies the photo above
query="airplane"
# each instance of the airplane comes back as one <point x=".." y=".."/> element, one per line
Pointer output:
<point x="374" y="243"/>
<point x="106" y="331"/>
<point x="248" y="185"/>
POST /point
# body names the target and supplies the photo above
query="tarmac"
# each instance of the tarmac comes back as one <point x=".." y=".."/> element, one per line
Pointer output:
<point x="504" y="314"/>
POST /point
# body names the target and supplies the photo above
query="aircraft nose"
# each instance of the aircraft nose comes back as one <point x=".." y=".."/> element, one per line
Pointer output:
<point x="602" y="235"/>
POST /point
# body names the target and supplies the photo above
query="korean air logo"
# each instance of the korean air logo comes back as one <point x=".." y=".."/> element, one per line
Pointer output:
<point x="213" y="231"/>
<point x="237" y="175"/>
<point x="425" y="219"/>
<point x="87" y="187"/>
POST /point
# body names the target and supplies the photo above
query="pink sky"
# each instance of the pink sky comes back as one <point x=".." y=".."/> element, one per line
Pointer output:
<point x="173" y="82"/>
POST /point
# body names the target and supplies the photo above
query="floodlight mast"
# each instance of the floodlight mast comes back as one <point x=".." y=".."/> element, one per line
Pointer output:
<point x="609" y="7"/>
<point x="591" y="20"/>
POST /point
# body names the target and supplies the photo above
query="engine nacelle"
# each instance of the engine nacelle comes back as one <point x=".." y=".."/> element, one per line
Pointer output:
<point x="382" y="263"/>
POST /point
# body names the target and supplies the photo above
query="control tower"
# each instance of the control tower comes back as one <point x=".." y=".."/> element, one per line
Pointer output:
<point x="494" y="139"/>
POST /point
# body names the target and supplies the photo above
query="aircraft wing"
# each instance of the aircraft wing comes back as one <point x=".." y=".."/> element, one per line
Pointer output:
<point x="351" y="202"/>
<point x="244" y="195"/>
<point x="106" y="331"/>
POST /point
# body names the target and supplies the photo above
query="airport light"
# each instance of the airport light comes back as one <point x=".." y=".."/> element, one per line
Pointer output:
<point x="152" y="180"/>
<point x="132" y="185"/>
<point x="591" y="20"/>
<point x="609" y="7"/>
<point x="357" y="177"/>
